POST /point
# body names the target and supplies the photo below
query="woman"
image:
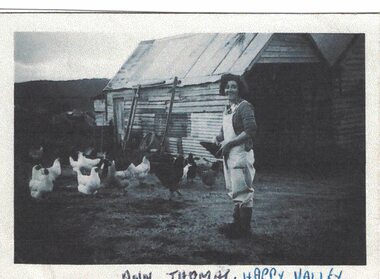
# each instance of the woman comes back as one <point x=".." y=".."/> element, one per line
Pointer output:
<point x="235" y="140"/>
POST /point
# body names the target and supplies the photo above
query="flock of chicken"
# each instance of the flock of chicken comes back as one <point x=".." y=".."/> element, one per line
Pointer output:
<point x="93" y="174"/>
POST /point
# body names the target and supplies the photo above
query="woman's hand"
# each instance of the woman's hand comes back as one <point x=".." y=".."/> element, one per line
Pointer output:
<point x="215" y="141"/>
<point x="225" y="148"/>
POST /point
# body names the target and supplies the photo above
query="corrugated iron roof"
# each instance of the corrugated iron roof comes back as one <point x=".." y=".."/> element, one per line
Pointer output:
<point x="204" y="57"/>
<point x="193" y="58"/>
<point x="332" y="45"/>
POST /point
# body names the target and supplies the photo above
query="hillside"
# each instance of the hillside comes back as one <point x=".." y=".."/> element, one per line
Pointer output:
<point x="57" y="96"/>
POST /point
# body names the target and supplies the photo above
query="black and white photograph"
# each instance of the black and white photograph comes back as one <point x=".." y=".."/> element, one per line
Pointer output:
<point x="190" y="147"/>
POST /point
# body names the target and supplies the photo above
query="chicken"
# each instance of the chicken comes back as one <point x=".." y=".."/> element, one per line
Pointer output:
<point x="185" y="171"/>
<point x="104" y="168"/>
<point x="83" y="162"/>
<point x="111" y="180"/>
<point x="55" y="170"/>
<point x="89" y="184"/>
<point x="208" y="176"/>
<point x="81" y="178"/>
<point x="40" y="182"/>
<point x="74" y="164"/>
<point x="215" y="150"/>
<point x="192" y="172"/>
<point x="86" y="162"/>
<point x="124" y="174"/>
<point x="140" y="171"/>
<point x="168" y="171"/>
<point x="211" y="147"/>
<point x="35" y="171"/>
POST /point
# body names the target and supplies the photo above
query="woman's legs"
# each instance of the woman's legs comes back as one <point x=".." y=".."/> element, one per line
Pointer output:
<point x="239" y="180"/>
<point x="245" y="214"/>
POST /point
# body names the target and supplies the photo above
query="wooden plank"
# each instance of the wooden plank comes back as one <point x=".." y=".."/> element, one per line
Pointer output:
<point x="198" y="109"/>
<point x="284" y="44"/>
<point x="287" y="48"/>
<point x="169" y="113"/>
<point x="293" y="54"/>
<point x="201" y="103"/>
<point x="146" y="103"/>
<point x="131" y="118"/>
<point x="100" y="119"/>
<point x="209" y="95"/>
<point x="161" y="98"/>
<point x="288" y="60"/>
<point x="291" y="38"/>
<point x="217" y="118"/>
<point x="99" y="105"/>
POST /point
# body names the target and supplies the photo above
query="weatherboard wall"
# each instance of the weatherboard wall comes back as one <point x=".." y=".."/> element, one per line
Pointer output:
<point x="196" y="114"/>
<point x="289" y="48"/>
<point x="349" y="98"/>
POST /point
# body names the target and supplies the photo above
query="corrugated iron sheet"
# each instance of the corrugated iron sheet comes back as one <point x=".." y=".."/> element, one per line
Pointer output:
<point x="203" y="58"/>
<point x="193" y="58"/>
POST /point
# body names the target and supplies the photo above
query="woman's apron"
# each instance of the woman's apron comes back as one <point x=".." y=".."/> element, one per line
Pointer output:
<point x="240" y="172"/>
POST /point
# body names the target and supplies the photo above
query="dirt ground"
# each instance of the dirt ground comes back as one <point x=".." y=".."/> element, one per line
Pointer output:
<point x="299" y="218"/>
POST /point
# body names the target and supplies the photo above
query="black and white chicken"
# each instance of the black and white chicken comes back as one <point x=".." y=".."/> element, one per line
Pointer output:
<point x="169" y="171"/>
<point x="40" y="183"/>
<point x="192" y="172"/>
<point x="111" y="180"/>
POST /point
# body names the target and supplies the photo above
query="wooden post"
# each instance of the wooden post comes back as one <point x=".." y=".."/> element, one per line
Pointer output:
<point x="131" y="118"/>
<point x="169" y="114"/>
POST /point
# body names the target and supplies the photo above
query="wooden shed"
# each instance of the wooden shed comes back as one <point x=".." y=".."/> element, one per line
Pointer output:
<point x="307" y="90"/>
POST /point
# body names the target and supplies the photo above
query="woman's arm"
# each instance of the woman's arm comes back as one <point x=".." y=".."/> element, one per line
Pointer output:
<point x="241" y="138"/>
<point x="247" y="118"/>
<point x="227" y="145"/>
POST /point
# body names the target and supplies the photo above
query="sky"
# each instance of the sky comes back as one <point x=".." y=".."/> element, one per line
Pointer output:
<point x="68" y="56"/>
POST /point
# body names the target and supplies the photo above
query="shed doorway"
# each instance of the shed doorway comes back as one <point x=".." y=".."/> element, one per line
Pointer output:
<point x="293" y="112"/>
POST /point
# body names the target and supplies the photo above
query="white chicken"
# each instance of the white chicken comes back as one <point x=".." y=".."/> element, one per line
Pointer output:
<point x="55" y="170"/>
<point x="89" y="184"/>
<point x="86" y="162"/>
<point x="74" y="164"/>
<point x="40" y="182"/>
<point x="83" y="162"/>
<point x="185" y="171"/>
<point x="124" y="174"/>
<point x="141" y="171"/>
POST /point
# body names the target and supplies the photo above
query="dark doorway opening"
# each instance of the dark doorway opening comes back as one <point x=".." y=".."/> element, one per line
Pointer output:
<point x="293" y="112"/>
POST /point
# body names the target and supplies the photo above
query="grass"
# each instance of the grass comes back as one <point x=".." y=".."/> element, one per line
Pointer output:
<point x="298" y="219"/>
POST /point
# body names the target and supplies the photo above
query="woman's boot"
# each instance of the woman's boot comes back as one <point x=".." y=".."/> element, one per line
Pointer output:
<point x="232" y="228"/>
<point x="245" y="221"/>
